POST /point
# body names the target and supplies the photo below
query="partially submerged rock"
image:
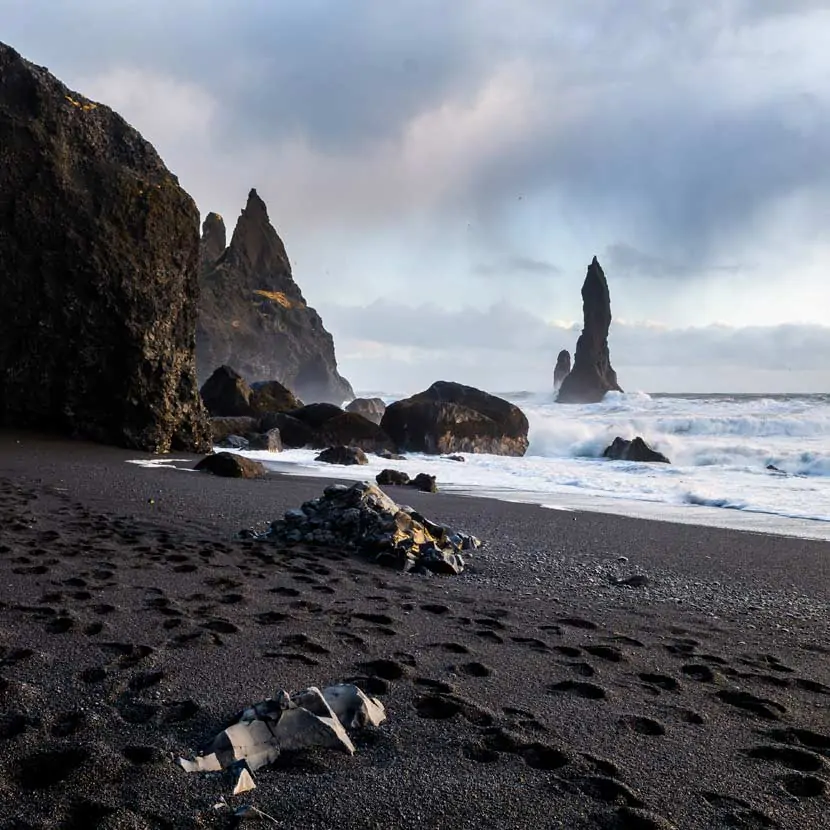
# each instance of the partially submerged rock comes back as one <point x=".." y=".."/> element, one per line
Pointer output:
<point x="270" y="441"/>
<point x="310" y="718"/>
<point x="635" y="450"/>
<point x="354" y="430"/>
<point x="450" y="418"/>
<point x="370" y="408"/>
<point x="222" y="427"/>
<point x="364" y="519"/>
<point x="230" y="465"/>
<point x="425" y="483"/>
<point x="347" y="456"/>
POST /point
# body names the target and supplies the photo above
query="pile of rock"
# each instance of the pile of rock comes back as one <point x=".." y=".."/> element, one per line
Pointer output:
<point x="362" y="518"/>
<point x="267" y="416"/>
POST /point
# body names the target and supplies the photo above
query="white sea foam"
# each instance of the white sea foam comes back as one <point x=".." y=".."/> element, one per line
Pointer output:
<point x="720" y="447"/>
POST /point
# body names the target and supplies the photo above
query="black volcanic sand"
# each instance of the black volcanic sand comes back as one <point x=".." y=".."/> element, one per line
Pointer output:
<point x="532" y="691"/>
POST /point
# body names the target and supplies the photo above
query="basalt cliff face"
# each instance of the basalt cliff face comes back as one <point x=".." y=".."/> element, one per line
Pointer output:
<point x="99" y="257"/>
<point x="253" y="316"/>
<point x="592" y="375"/>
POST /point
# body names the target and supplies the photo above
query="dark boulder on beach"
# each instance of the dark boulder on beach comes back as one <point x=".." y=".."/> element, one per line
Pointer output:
<point x="270" y="441"/>
<point x="592" y="375"/>
<point x="99" y="250"/>
<point x="227" y="394"/>
<point x="252" y="314"/>
<point x="562" y="369"/>
<point x="315" y="415"/>
<point x="451" y="418"/>
<point x="221" y="428"/>
<point x="293" y="432"/>
<point x="370" y="408"/>
<point x="395" y="478"/>
<point x="425" y="483"/>
<point x="347" y="456"/>
<point x="271" y="396"/>
<point x="634" y="450"/>
<point x="355" y="431"/>
<point x="230" y="465"/>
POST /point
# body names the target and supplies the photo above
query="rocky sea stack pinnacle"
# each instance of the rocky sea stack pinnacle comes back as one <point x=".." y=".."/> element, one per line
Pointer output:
<point x="99" y="253"/>
<point x="253" y="316"/>
<point x="592" y="375"/>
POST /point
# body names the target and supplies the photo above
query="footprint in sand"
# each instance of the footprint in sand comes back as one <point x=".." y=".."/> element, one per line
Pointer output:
<point x="762" y="707"/>
<point x="788" y="756"/>
<point x="804" y="786"/>
<point x="588" y="691"/>
<point x="644" y="726"/>
<point x="662" y="681"/>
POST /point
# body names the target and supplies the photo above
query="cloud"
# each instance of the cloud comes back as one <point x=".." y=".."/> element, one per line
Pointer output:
<point x="385" y="345"/>
<point x="480" y="153"/>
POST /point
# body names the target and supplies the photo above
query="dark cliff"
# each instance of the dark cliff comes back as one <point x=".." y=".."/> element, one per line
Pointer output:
<point x="253" y="315"/>
<point x="99" y="250"/>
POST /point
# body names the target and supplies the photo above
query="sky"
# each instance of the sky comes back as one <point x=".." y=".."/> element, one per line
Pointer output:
<point x="443" y="173"/>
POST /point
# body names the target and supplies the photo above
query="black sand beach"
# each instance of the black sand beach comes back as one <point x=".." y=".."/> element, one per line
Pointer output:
<point x="532" y="691"/>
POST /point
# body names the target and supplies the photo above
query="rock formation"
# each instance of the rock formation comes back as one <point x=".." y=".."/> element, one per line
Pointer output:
<point x="451" y="418"/>
<point x="230" y="465"/>
<point x="252" y="314"/>
<point x="562" y="370"/>
<point x="345" y="456"/>
<point x="362" y="518"/>
<point x="99" y="252"/>
<point x="371" y="408"/>
<point x="634" y="450"/>
<point x="592" y="375"/>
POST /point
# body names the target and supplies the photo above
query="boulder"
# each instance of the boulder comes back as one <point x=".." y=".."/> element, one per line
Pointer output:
<point x="370" y="408"/>
<point x="271" y="396"/>
<point x="395" y="478"/>
<point x="592" y="376"/>
<point x="227" y="395"/>
<point x="252" y="314"/>
<point x="269" y="441"/>
<point x="455" y="458"/>
<point x="451" y="418"/>
<point x="233" y="442"/>
<point x="343" y="455"/>
<point x="315" y="415"/>
<point x="222" y="427"/>
<point x="230" y="465"/>
<point x="294" y="433"/>
<point x="425" y="483"/>
<point x="634" y="450"/>
<point x="363" y="519"/>
<point x="355" y="431"/>
<point x="99" y="253"/>
<point x="562" y="369"/>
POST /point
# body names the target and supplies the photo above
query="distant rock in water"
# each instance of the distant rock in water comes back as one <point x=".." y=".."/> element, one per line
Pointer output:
<point x="592" y="375"/>
<point x="253" y="316"/>
<point x="634" y="450"/>
<point x="562" y="370"/>
<point x="99" y="257"/>
<point x="451" y="418"/>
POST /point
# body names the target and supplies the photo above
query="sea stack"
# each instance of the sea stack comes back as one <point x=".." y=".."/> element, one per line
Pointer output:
<point x="592" y="375"/>
<point x="99" y="248"/>
<point x="562" y="370"/>
<point x="253" y="316"/>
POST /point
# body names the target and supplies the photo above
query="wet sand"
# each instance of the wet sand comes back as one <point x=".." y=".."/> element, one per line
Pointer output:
<point x="533" y="691"/>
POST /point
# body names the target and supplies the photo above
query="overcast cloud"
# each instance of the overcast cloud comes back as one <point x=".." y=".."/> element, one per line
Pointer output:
<point x="442" y="173"/>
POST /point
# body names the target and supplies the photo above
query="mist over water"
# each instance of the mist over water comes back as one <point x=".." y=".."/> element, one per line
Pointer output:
<point x="719" y="445"/>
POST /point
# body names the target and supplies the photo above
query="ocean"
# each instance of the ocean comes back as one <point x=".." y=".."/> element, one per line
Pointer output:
<point x="719" y="445"/>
